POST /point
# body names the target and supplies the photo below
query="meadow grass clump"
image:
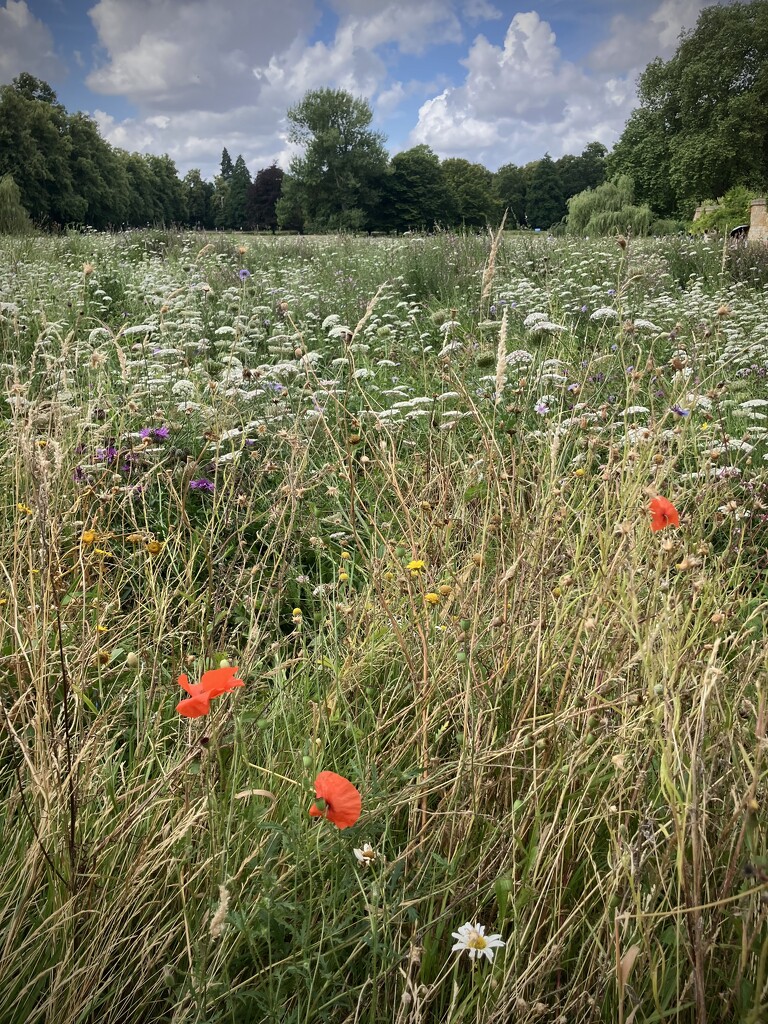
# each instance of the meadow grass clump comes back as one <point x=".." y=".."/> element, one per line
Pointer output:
<point x="480" y="524"/>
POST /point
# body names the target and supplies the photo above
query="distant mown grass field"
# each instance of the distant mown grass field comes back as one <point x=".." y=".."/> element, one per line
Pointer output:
<point x="404" y="486"/>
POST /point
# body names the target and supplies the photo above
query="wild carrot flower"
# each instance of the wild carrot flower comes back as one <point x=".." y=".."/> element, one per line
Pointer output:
<point x="472" y="937"/>
<point x="212" y="684"/>
<point x="663" y="513"/>
<point x="337" y="800"/>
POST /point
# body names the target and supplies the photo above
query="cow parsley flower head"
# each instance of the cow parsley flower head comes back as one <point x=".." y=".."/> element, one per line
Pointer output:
<point x="472" y="937"/>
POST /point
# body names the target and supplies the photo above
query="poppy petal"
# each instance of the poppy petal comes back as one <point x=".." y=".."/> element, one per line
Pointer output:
<point x="663" y="513"/>
<point x="343" y="801"/>
<point x="220" y="680"/>
<point x="194" y="707"/>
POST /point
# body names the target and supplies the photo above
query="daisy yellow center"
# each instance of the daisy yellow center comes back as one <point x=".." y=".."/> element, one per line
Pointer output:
<point x="476" y="941"/>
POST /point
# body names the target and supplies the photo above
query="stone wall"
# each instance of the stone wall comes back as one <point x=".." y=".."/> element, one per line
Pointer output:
<point x="701" y="210"/>
<point x="758" y="221"/>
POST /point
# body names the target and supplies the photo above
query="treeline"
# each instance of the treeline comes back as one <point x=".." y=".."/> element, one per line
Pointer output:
<point x="701" y="131"/>
<point x="344" y="179"/>
<point x="67" y="174"/>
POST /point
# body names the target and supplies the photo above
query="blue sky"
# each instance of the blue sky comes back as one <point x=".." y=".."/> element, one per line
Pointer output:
<point x="488" y="80"/>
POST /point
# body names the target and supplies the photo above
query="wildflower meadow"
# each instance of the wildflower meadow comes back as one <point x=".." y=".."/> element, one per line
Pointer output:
<point x="382" y="629"/>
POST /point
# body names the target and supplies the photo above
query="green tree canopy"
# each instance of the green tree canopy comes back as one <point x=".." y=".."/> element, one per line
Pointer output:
<point x="544" y="200"/>
<point x="581" y="172"/>
<point x="702" y="126"/>
<point x="198" y="195"/>
<point x="263" y="196"/>
<point x="416" y="195"/>
<point x="236" y="201"/>
<point x="14" y="219"/>
<point x="470" y="187"/>
<point x="509" y="189"/>
<point x="226" y="165"/>
<point x="338" y="179"/>
<point x="608" y="209"/>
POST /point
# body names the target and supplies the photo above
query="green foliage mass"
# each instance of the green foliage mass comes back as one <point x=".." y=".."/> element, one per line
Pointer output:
<point x="14" y="219"/>
<point x="608" y="210"/>
<point x="338" y="179"/>
<point x="544" y="199"/>
<point x="730" y="211"/>
<point x="702" y="124"/>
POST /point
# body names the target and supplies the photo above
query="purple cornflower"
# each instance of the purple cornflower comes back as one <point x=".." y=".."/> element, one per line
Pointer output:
<point x="678" y="409"/>
<point x="158" y="433"/>
<point x="203" y="484"/>
<point x="541" y="408"/>
<point x="244" y="274"/>
<point x="108" y="454"/>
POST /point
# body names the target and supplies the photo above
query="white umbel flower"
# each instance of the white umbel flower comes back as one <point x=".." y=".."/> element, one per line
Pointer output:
<point x="472" y="937"/>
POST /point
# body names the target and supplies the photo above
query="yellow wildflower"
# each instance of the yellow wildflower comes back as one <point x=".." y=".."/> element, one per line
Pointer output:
<point x="88" y="537"/>
<point x="154" y="547"/>
<point x="432" y="598"/>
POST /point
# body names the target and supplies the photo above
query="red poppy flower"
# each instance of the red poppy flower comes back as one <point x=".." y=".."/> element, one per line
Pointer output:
<point x="342" y="803"/>
<point x="663" y="513"/>
<point x="212" y="684"/>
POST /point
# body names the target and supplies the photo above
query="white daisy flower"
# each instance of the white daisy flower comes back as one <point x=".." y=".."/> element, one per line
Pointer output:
<point x="472" y="937"/>
<point x="366" y="856"/>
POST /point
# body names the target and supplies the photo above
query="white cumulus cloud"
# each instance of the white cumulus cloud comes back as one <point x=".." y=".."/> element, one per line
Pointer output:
<point x="524" y="98"/>
<point x="26" y="44"/>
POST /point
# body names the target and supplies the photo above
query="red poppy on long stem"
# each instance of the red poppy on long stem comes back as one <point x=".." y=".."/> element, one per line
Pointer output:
<point x="338" y="800"/>
<point x="212" y="684"/>
<point x="663" y="513"/>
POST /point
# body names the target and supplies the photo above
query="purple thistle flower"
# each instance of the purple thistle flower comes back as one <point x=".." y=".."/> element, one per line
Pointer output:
<point x="108" y="454"/>
<point x="244" y="274"/>
<point x="203" y="484"/>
